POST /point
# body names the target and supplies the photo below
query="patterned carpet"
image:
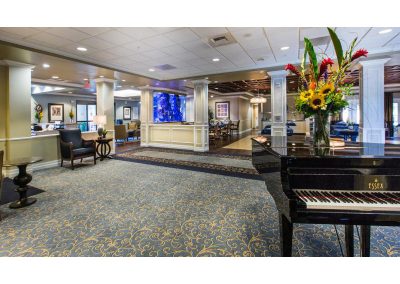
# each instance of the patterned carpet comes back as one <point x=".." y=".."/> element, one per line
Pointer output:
<point x="233" y="165"/>
<point x="119" y="208"/>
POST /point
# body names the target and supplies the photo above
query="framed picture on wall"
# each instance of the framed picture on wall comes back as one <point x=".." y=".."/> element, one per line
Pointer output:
<point x="127" y="112"/>
<point x="221" y="110"/>
<point x="56" y="112"/>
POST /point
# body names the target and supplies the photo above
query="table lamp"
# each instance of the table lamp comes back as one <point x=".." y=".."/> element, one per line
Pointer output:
<point x="100" y="121"/>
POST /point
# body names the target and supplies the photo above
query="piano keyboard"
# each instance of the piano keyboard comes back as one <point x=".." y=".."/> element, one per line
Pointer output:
<point x="349" y="200"/>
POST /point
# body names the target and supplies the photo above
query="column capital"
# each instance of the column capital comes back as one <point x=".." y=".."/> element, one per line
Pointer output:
<point x="13" y="63"/>
<point x="373" y="62"/>
<point x="201" y="81"/>
<point x="278" y="73"/>
<point x="104" y="80"/>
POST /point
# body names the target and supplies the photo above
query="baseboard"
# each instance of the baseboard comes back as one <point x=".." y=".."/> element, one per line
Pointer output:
<point x="12" y="172"/>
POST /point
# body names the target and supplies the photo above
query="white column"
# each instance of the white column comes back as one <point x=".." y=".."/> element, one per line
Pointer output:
<point x="372" y="127"/>
<point x="105" y="100"/>
<point x="201" y="115"/>
<point x="146" y="115"/>
<point x="278" y="102"/>
<point x="15" y="109"/>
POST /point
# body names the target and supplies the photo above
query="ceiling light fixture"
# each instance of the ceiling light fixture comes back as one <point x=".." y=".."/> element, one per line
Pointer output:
<point x="85" y="79"/>
<point x="285" y="47"/>
<point x="81" y="48"/>
<point x="385" y="31"/>
<point x="216" y="88"/>
<point x="55" y="77"/>
<point x="45" y="65"/>
<point x="215" y="59"/>
<point x="101" y="76"/>
<point x="123" y="80"/>
<point x="212" y="96"/>
<point x="151" y="70"/>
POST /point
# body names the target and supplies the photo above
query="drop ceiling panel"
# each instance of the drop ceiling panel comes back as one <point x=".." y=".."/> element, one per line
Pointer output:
<point x="182" y="35"/>
<point x="115" y="37"/>
<point x="158" y="41"/>
<point x="47" y="39"/>
<point x="280" y="37"/>
<point x="91" y="30"/>
<point x="20" y="32"/>
<point x="96" y="43"/>
<point x="68" y="33"/>
<point x="138" y="33"/>
<point x="370" y="40"/>
<point x="209" y="32"/>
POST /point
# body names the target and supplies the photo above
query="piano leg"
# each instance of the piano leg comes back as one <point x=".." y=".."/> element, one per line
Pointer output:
<point x="365" y="240"/>
<point x="349" y="239"/>
<point x="286" y="235"/>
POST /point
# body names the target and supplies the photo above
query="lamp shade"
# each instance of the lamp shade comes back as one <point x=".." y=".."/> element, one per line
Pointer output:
<point x="258" y="100"/>
<point x="100" y="119"/>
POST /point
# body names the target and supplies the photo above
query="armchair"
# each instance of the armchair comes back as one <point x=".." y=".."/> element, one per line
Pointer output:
<point x="120" y="133"/>
<point x="73" y="147"/>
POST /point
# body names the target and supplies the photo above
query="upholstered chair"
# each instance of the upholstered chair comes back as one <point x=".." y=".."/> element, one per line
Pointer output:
<point x="73" y="147"/>
<point x="235" y="127"/>
<point x="120" y="133"/>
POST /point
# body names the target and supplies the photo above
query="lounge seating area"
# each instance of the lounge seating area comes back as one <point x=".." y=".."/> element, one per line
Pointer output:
<point x="341" y="129"/>
<point x="127" y="132"/>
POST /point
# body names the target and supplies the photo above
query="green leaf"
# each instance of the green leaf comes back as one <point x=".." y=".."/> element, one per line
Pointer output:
<point x="313" y="57"/>
<point x="303" y="62"/>
<point x="337" y="45"/>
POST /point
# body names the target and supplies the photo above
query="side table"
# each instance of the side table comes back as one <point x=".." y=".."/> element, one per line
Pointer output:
<point x="103" y="148"/>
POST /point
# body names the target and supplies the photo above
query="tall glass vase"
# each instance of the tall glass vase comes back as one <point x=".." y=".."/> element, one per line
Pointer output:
<point x="321" y="130"/>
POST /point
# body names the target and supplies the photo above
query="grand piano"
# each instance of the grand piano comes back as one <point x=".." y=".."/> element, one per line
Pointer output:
<point x="348" y="183"/>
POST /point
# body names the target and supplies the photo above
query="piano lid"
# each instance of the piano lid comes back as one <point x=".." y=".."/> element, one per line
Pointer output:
<point x="295" y="147"/>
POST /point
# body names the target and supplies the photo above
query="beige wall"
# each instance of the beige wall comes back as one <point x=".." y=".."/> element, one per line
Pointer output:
<point x="245" y="113"/>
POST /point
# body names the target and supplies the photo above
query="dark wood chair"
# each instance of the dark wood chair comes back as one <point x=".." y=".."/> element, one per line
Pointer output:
<point x="214" y="134"/>
<point x="226" y="130"/>
<point x="73" y="147"/>
<point x="235" y="127"/>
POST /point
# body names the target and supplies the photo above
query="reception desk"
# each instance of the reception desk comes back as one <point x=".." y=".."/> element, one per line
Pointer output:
<point x="176" y="136"/>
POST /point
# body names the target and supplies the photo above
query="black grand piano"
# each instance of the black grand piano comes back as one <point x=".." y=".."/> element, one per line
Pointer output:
<point x="347" y="183"/>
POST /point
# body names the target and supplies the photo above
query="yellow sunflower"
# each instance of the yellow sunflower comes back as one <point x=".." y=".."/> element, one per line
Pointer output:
<point x="326" y="89"/>
<point x="317" y="101"/>
<point x="305" y="95"/>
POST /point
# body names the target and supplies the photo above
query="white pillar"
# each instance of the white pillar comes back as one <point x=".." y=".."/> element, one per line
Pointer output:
<point x="15" y="109"/>
<point x="278" y="102"/>
<point x="201" y="115"/>
<point x="105" y="100"/>
<point x="372" y="127"/>
<point x="146" y="115"/>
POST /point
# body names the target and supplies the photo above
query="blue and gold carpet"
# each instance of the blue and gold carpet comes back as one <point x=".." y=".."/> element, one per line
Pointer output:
<point x="120" y="208"/>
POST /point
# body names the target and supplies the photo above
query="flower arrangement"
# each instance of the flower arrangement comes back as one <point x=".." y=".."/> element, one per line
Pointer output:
<point x="38" y="112"/>
<point x="322" y="87"/>
<point x="71" y="114"/>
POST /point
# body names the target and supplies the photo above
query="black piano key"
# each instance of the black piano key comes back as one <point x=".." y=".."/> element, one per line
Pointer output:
<point x="376" y="198"/>
<point x="386" y="198"/>
<point x="324" y="197"/>
<point x="393" y="197"/>
<point x="364" y="198"/>
<point x="344" y="197"/>
<point x="349" y="197"/>
<point x="312" y="198"/>
<point x="356" y="199"/>
<point x="332" y="197"/>
<point x="305" y="196"/>
<point x="301" y="196"/>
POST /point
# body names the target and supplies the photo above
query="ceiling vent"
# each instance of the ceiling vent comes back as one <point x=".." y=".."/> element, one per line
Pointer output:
<point x="318" y="41"/>
<point x="165" y="67"/>
<point x="221" y="40"/>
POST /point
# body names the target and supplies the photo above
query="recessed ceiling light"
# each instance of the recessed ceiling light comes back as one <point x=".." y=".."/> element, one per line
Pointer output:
<point x="85" y="79"/>
<point x="45" y="65"/>
<point x="101" y="76"/>
<point x="385" y="31"/>
<point x="215" y="59"/>
<point x="212" y="96"/>
<point x="151" y="70"/>
<point x="69" y="92"/>
<point x="81" y="48"/>
<point x="184" y="80"/>
<point x="55" y="77"/>
<point x="123" y="80"/>
<point x="216" y="88"/>
<point x="206" y="78"/>
<point x="215" y="81"/>
<point x="285" y="47"/>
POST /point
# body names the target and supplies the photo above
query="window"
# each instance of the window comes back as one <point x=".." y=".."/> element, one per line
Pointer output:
<point x="395" y="114"/>
<point x="85" y="111"/>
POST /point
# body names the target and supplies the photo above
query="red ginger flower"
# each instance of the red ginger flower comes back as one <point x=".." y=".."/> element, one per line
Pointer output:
<point x="324" y="66"/>
<point x="359" y="53"/>
<point x="292" y="69"/>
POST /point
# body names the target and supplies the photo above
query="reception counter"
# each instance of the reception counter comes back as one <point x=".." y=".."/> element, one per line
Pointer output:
<point x="176" y="135"/>
<point x="44" y="144"/>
